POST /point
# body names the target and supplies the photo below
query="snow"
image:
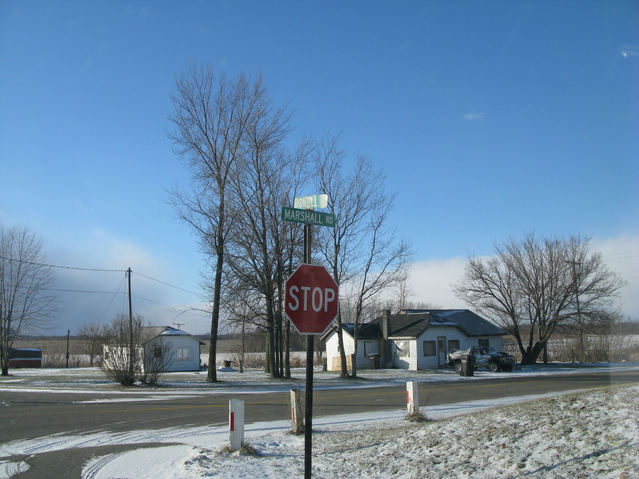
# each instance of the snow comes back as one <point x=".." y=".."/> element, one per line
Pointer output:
<point x="575" y="434"/>
<point x="94" y="381"/>
<point x="8" y="468"/>
<point x="592" y="434"/>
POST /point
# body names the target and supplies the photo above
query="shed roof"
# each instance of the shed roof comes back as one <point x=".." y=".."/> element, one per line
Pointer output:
<point x="155" y="331"/>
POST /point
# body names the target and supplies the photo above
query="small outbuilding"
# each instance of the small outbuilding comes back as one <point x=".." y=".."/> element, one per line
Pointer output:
<point x="180" y="350"/>
<point x="163" y="349"/>
<point x="412" y="339"/>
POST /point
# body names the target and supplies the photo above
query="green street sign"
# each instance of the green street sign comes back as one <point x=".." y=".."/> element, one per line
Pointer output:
<point x="297" y="215"/>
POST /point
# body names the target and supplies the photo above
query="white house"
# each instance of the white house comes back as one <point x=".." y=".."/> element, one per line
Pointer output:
<point x="164" y="349"/>
<point x="413" y="339"/>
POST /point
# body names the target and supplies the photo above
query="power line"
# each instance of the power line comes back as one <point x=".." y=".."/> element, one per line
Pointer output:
<point x="63" y="290"/>
<point x="167" y="284"/>
<point x="76" y="268"/>
<point x="168" y="306"/>
<point x="115" y="295"/>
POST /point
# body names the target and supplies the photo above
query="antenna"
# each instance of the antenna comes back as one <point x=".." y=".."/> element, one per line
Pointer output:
<point x="178" y="325"/>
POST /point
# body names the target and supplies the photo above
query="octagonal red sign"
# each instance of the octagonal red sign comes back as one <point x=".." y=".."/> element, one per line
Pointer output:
<point x="311" y="299"/>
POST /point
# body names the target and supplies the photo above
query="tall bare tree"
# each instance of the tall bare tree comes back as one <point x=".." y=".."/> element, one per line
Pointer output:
<point x="534" y="282"/>
<point x="25" y="281"/>
<point x="351" y="248"/>
<point x="211" y="116"/>
<point x="384" y="262"/>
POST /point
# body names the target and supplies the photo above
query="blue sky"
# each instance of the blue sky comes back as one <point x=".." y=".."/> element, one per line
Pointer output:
<point x="490" y="120"/>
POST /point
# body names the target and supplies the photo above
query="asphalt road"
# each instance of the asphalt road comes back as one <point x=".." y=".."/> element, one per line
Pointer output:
<point x="26" y="415"/>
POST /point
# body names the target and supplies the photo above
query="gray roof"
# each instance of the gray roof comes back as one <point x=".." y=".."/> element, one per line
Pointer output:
<point x="470" y="323"/>
<point x="411" y="323"/>
<point x="152" y="332"/>
<point x="364" y="331"/>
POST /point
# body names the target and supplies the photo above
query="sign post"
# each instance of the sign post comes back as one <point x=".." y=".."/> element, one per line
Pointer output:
<point x="311" y="302"/>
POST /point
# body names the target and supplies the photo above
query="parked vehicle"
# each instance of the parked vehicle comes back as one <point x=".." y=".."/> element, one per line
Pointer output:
<point x="485" y="357"/>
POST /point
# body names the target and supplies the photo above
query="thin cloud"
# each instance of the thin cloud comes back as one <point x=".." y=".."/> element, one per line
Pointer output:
<point x="475" y="116"/>
<point x="630" y="51"/>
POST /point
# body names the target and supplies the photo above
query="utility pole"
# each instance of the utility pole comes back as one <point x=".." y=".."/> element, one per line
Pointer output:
<point x="582" y="351"/>
<point x="128" y="274"/>
<point x="68" y="334"/>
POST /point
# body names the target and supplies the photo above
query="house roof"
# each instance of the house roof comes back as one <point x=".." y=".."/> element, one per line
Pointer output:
<point x="405" y="326"/>
<point x="470" y="323"/>
<point x="364" y="331"/>
<point x="411" y="323"/>
<point x="155" y="331"/>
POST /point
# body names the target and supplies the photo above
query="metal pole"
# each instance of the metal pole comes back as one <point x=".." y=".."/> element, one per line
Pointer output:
<point x="68" y="334"/>
<point x="130" y="329"/>
<point x="308" y="420"/>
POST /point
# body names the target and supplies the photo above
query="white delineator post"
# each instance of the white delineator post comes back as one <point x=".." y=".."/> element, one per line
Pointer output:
<point x="412" y="398"/>
<point x="236" y="423"/>
<point x="297" y="411"/>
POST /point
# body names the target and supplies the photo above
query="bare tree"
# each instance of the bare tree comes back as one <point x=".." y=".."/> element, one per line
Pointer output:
<point x="357" y="200"/>
<point x="158" y="356"/>
<point x="385" y="259"/>
<point x="119" y="362"/>
<point x="25" y="281"/>
<point x="211" y="116"/>
<point x="257" y="191"/>
<point x="403" y="291"/>
<point x="347" y="201"/>
<point x="531" y="285"/>
<point x="93" y="336"/>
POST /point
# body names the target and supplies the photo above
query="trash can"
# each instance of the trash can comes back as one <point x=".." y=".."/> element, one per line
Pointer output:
<point x="374" y="360"/>
<point x="467" y="366"/>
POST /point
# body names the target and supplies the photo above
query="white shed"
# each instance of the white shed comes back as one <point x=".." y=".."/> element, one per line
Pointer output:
<point x="179" y="350"/>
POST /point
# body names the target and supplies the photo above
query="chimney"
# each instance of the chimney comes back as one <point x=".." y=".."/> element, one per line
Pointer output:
<point x="386" y="324"/>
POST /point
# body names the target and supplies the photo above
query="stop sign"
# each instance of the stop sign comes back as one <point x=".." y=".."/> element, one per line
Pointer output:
<point x="311" y="299"/>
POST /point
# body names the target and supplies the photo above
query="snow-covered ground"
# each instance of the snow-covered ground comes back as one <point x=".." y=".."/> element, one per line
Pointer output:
<point x="586" y="434"/>
<point x="582" y="434"/>
<point x="94" y="381"/>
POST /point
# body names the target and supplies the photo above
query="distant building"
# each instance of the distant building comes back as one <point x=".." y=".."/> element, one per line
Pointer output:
<point x="164" y="349"/>
<point x="412" y="339"/>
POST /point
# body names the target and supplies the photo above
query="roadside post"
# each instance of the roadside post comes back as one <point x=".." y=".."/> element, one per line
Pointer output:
<point x="311" y="300"/>
<point x="236" y="424"/>
<point x="297" y="411"/>
<point x="412" y="398"/>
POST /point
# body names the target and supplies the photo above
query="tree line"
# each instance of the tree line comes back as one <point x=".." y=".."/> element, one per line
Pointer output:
<point x="244" y="167"/>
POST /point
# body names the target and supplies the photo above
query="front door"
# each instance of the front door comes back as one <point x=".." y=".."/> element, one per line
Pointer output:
<point x="441" y="351"/>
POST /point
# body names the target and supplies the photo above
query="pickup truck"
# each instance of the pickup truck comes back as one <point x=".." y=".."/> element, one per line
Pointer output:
<point x="485" y="357"/>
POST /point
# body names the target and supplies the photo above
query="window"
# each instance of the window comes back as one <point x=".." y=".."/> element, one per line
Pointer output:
<point x="183" y="354"/>
<point x="483" y="342"/>
<point x="453" y="345"/>
<point x="157" y="352"/>
<point x="403" y="349"/>
<point x="429" y="348"/>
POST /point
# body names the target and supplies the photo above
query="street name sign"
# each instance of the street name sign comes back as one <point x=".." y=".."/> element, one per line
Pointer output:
<point x="311" y="299"/>
<point x="297" y="215"/>
<point x="311" y="202"/>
